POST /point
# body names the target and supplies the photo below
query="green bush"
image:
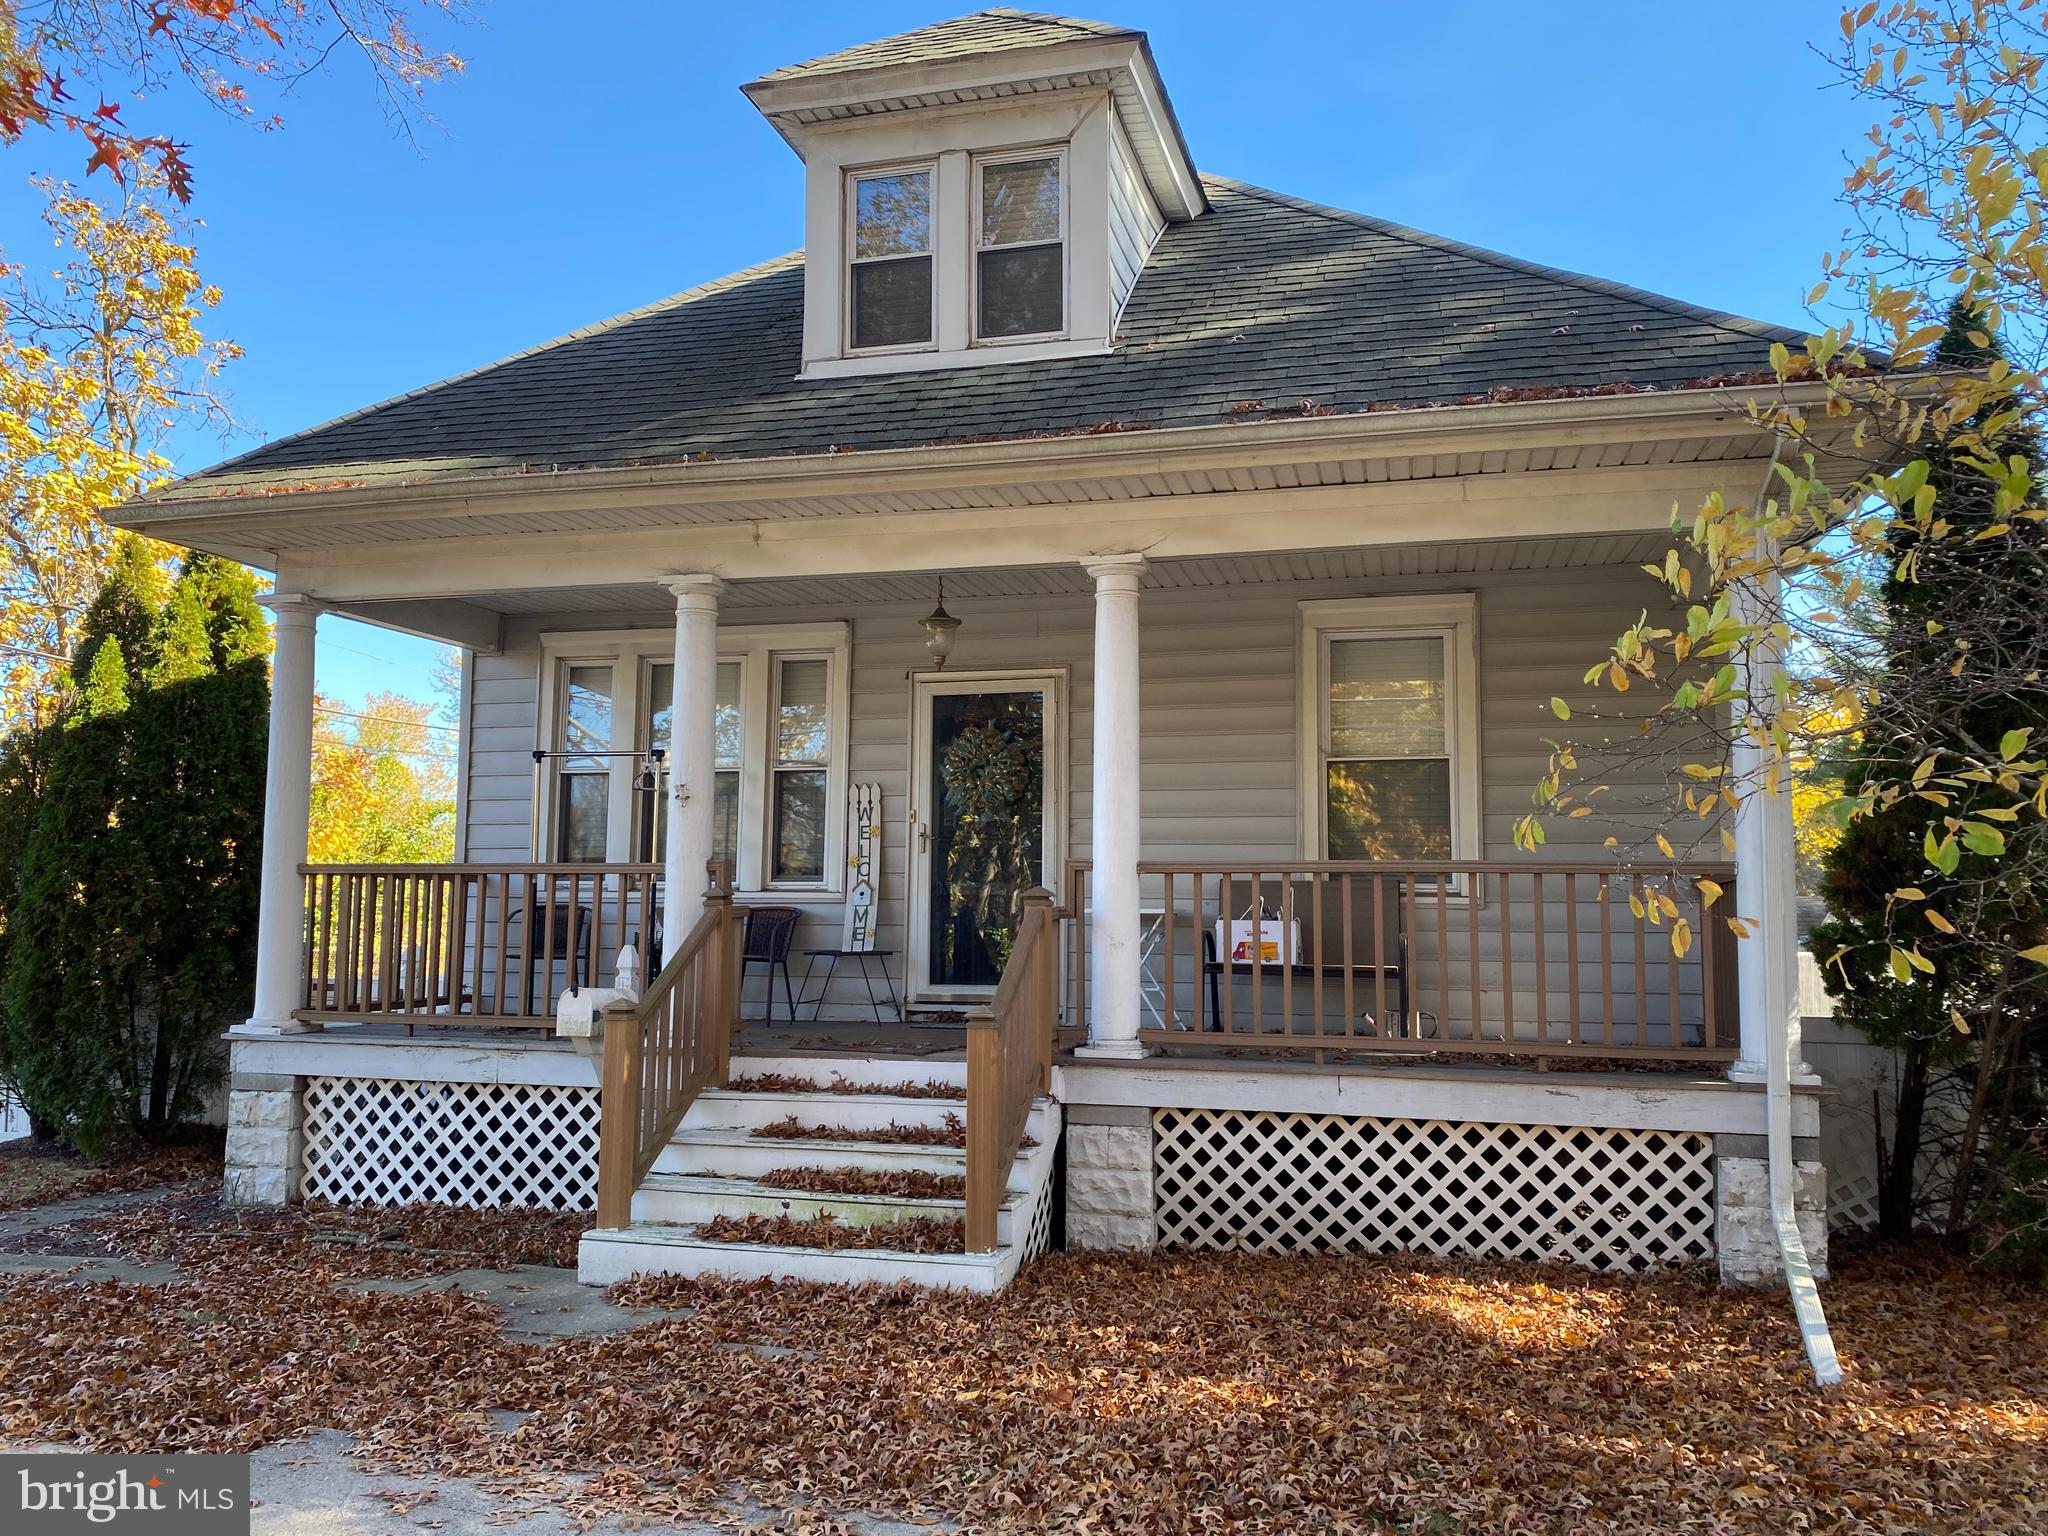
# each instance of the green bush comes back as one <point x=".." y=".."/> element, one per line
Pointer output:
<point x="130" y="867"/>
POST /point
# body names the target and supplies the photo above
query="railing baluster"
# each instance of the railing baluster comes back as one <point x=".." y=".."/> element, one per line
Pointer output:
<point x="1288" y="958"/>
<point x="1607" y="959"/>
<point x="1571" y="941"/>
<point x="1472" y="899"/>
<point x="1507" y="957"/>
<point x="1709" y="954"/>
<point x="1642" y="970"/>
<point x="1671" y="963"/>
<point x="1169" y="982"/>
<point x="1315" y="901"/>
<point x="1542" y="960"/>
<point x="1443" y="953"/>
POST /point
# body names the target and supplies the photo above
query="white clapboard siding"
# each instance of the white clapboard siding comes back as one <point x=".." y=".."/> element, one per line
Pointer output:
<point x="1218" y="727"/>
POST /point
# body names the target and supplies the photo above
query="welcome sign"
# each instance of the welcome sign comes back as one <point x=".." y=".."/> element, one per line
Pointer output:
<point x="65" y="1495"/>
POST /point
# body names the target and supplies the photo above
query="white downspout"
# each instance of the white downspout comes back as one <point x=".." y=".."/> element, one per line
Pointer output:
<point x="1813" y="1322"/>
<point x="1769" y="839"/>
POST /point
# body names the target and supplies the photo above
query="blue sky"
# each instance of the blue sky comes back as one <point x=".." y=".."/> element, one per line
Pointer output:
<point x="582" y="170"/>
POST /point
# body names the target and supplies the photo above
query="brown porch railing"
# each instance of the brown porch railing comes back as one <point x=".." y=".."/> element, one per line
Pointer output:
<point x="467" y="943"/>
<point x="1407" y="958"/>
<point x="1009" y="1063"/>
<point x="662" y="1051"/>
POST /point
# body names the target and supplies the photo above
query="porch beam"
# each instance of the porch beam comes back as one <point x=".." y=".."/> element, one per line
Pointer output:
<point x="287" y="815"/>
<point x="1113" y="921"/>
<point x="449" y="620"/>
<point x="692" y="752"/>
<point x="1452" y="509"/>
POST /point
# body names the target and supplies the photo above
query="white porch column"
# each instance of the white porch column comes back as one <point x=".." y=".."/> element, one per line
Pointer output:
<point x="1766" y="871"/>
<point x="692" y="754"/>
<point x="287" y="809"/>
<point x="1113" y="926"/>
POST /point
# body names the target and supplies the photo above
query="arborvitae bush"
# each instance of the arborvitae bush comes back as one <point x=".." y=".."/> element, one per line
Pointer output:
<point x="130" y="856"/>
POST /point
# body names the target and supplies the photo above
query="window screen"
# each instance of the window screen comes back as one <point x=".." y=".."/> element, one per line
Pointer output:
<point x="892" y="259"/>
<point x="1021" y="274"/>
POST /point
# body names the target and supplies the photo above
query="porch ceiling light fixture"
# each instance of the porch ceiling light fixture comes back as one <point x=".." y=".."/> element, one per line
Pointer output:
<point x="939" y="628"/>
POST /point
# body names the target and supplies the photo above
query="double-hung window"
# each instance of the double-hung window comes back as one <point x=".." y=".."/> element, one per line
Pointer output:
<point x="890" y="284"/>
<point x="1020" y="261"/>
<point x="1390" y="729"/>
<point x="779" y="740"/>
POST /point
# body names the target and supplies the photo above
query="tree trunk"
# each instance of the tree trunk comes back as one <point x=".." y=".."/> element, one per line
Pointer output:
<point x="160" y="1080"/>
<point x="1909" y="1115"/>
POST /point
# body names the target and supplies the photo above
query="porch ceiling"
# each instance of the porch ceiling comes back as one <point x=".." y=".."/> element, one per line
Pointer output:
<point x="1359" y="564"/>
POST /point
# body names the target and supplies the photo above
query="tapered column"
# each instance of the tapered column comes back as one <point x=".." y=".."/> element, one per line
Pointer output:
<point x="1766" y="873"/>
<point x="692" y="755"/>
<point x="287" y="809"/>
<point x="1113" y="923"/>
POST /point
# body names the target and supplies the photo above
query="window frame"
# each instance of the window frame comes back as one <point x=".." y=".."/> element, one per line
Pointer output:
<point x="980" y="163"/>
<point x="849" y="241"/>
<point x="633" y="654"/>
<point x="1452" y="618"/>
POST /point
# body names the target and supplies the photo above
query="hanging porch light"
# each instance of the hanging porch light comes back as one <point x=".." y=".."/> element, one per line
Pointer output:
<point x="940" y="628"/>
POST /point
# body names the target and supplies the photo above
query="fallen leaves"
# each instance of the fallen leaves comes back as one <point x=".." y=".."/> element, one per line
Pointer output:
<point x="36" y="1175"/>
<point x="952" y="1132"/>
<point x="785" y="1082"/>
<point x="1193" y="1393"/>
<point x="896" y="1183"/>
<point x="913" y="1234"/>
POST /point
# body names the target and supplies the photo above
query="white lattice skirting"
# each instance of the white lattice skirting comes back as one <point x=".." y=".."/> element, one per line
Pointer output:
<point x="381" y="1141"/>
<point x="1279" y="1183"/>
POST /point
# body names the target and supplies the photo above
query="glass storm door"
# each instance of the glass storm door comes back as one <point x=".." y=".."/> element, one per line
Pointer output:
<point x="984" y="823"/>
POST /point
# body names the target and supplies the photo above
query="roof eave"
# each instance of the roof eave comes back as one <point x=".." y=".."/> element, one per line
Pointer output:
<point x="1443" y="429"/>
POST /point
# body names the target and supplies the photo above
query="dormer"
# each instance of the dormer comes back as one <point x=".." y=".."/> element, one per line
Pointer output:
<point x="983" y="190"/>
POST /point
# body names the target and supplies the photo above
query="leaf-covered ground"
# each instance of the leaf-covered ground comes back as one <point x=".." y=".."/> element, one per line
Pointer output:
<point x="1201" y="1393"/>
<point x="32" y="1174"/>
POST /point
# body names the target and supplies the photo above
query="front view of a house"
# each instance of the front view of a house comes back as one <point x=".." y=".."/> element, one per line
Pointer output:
<point x="1059" y="520"/>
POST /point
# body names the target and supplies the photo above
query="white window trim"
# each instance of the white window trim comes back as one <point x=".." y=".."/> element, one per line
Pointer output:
<point x="1452" y="617"/>
<point x="630" y="653"/>
<point x="850" y="202"/>
<point x="981" y="163"/>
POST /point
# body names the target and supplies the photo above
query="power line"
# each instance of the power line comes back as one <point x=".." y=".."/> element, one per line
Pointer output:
<point x="417" y="725"/>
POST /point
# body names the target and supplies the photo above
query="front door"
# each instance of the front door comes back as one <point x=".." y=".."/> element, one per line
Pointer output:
<point x="985" y="807"/>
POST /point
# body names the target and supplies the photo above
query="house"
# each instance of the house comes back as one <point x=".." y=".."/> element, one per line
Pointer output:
<point x="1099" y="621"/>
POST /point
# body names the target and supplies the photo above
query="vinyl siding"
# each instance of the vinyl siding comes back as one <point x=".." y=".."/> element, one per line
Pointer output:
<point x="1135" y="221"/>
<point x="1218" y="726"/>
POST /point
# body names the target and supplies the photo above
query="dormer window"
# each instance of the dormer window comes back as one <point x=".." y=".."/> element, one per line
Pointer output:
<point x="891" y="283"/>
<point x="1020" y="257"/>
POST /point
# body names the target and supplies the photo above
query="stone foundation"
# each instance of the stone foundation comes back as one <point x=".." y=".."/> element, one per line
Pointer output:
<point x="1745" y="1236"/>
<point x="266" y="1140"/>
<point x="1109" y="1178"/>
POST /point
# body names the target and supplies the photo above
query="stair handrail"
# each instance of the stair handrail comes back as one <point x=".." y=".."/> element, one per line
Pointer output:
<point x="1009" y="1063"/>
<point x="662" y="1050"/>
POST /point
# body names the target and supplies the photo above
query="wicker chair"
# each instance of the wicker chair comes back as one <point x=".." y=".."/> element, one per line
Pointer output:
<point x="769" y="933"/>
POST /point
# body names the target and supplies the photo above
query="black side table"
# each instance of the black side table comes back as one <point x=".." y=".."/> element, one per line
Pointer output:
<point x="832" y="957"/>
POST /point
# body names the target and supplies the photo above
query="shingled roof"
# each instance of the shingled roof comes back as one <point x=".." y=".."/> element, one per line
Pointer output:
<point x="1261" y="304"/>
<point x="992" y="31"/>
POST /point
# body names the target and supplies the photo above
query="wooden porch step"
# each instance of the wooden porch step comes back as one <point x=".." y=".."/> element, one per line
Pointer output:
<point x="867" y="1070"/>
<point x="661" y="1248"/>
<point x="721" y="1108"/>
<point x="734" y="1152"/>
<point x="685" y="1199"/>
